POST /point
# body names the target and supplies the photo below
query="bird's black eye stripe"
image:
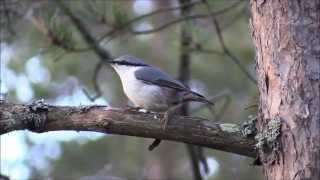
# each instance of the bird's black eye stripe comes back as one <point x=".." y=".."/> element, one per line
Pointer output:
<point x="129" y="63"/>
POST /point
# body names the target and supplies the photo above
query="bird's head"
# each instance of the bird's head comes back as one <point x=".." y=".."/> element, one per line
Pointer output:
<point x="126" y="62"/>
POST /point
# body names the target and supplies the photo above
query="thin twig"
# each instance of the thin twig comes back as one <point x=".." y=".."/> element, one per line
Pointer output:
<point x="111" y="34"/>
<point x="197" y="48"/>
<point x="224" y="47"/>
<point x="184" y="18"/>
<point x="96" y="86"/>
<point x="216" y="98"/>
<point x="40" y="25"/>
<point x="103" y="54"/>
<point x="136" y="19"/>
<point x="60" y="56"/>
<point x="234" y="19"/>
<point x="91" y="41"/>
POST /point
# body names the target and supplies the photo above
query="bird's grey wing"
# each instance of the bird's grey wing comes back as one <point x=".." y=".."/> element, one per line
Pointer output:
<point x="155" y="76"/>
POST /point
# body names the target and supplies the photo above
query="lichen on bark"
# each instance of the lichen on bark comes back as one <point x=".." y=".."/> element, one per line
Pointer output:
<point x="248" y="128"/>
<point x="269" y="137"/>
<point x="230" y="128"/>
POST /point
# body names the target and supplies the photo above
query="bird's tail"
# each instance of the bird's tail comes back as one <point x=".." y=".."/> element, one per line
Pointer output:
<point x="193" y="96"/>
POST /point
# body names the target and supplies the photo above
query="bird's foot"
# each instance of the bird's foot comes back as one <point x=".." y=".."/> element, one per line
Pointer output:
<point x="131" y="108"/>
<point x="165" y="119"/>
<point x="137" y="109"/>
<point x="143" y="110"/>
<point x="168" y="115"/>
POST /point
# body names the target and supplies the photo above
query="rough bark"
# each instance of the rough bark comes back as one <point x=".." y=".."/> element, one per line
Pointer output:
<point x="39" y="117"/>
<point x="286" y="37"/>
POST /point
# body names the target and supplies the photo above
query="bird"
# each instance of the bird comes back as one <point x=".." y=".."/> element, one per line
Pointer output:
<point x="151" y="89"/>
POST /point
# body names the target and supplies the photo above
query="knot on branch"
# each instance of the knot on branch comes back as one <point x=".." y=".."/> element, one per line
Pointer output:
<point x="7" y="121"/>
<point x="39" y="105"/>
<point x="36" y="120"/>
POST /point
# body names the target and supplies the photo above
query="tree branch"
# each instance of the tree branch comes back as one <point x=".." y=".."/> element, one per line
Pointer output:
<point x="40" y="117"/>
<point x="138" y="18"/>
<point x="111" y="34"/>
<point x="91" y="41"/>
<point x="185" y="18"/>
<point x="224" y="47"/>
<point x="103" y="54"/>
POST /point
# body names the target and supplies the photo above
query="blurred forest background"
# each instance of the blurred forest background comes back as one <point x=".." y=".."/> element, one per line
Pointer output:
<point x="45" y="55"/>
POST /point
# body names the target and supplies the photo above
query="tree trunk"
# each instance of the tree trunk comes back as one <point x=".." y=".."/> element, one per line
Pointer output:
<point x="286" y="37"/>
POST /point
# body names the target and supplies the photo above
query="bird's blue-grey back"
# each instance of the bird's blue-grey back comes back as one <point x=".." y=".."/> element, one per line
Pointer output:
<point x="155" y="76"/>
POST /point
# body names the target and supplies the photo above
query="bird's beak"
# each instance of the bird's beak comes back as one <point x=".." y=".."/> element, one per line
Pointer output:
<point x="112" y="62"/>
<point x="113" y="65"/>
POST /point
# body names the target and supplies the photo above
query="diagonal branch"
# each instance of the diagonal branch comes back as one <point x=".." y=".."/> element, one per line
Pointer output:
<point x="111" y="34"/>
<point x="186" y="18"/>
<point x="139" y="18"/>
<point x="103" y="54"/>
<point x="232" y="57"/>
<point x="87" y="36"/>
<point x="40" y="117"/>
<point x="96" y="86"/>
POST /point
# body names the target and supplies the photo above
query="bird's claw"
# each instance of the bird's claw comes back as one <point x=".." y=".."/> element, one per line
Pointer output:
<point x="143" y="110"/>
<point x="131" y="108"/>
<point x="165" y="119"/>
